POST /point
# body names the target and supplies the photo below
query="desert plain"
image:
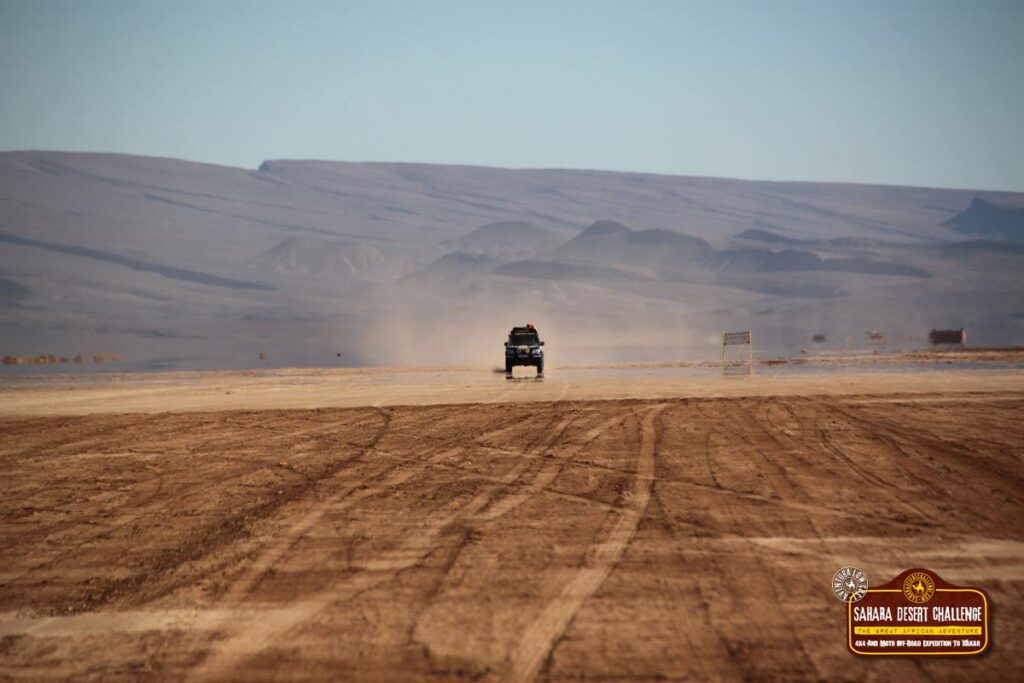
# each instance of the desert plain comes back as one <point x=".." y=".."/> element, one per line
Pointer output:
<point x="617" y="523"/>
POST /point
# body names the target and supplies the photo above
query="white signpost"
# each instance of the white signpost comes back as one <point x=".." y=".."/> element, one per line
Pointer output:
<point x="738" y="339"/>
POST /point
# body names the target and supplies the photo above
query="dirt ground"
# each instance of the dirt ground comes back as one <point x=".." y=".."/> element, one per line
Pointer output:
<point x="61" y="395"/>
<point x="679" y="535"/>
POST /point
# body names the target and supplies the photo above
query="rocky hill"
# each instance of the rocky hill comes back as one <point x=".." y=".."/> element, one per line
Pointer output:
<point x="168" y="263"/>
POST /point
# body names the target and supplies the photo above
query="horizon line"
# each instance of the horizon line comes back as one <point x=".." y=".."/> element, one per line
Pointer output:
<point x="854" y="183"/>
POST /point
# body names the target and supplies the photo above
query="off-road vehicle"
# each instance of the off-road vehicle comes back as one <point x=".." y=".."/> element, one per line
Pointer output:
<point x="523" y="348"/>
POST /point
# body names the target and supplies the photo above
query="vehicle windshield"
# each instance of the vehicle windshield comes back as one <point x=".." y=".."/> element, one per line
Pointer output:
<point x="524" y="339"/>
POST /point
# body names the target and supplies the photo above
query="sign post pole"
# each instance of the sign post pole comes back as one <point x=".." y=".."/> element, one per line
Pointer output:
<point x="750" y="358"/>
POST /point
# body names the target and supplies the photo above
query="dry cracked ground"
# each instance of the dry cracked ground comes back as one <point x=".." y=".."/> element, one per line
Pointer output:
<point x="690" y="539"/>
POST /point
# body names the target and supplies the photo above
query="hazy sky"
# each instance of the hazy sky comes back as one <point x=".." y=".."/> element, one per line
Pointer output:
<point x="921" y="93"/>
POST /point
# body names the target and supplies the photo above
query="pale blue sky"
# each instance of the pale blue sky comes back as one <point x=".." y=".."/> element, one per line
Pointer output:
<point x="919" y="93"/>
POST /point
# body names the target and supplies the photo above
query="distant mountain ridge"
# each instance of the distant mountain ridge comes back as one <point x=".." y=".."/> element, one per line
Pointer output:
<point x="992" y="220"/>
<point x="505" y="239"/>
<point x="610" y="242"/>
<point x="339" y="257"/>
<point x="178" y="264"/>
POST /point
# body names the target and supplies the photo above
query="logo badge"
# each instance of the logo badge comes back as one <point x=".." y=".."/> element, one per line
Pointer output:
<point x="918" y="587"/>
<point x="849" y="584"/>
<point x="918" y="613"/>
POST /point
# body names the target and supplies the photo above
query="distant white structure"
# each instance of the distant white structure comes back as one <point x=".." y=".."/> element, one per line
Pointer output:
<point x="745" y="338"/>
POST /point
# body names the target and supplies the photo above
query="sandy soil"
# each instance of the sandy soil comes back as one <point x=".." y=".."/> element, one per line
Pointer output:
<point x="635" y="537"/>
<point x="378" y="387"/>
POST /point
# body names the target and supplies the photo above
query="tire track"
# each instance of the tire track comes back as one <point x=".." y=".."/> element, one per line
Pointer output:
<point x="783" y="431"/>
<point x="543" y="634"/>
<point x="517" y="387"/>
<point x="239" y="525"/>
<point x="340" y="501"/>
<point x="410" y="581"/>
<point x="712" y="441"/>
<point x="97" y="430"/>
<point x="901" y="497"/>
<point x="775" y="473"/>
<point x="257" y="635"/>
<point x="389" y="477"/>
<point x="910" y="442"/>
<point x="384" y="399"/>
<point x="548" y="472"/>
<point x="108" y="530"/>
<point x="861" y="472"/>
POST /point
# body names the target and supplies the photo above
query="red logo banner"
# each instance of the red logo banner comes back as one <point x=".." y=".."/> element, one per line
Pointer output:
<point x="918" y="613"/>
